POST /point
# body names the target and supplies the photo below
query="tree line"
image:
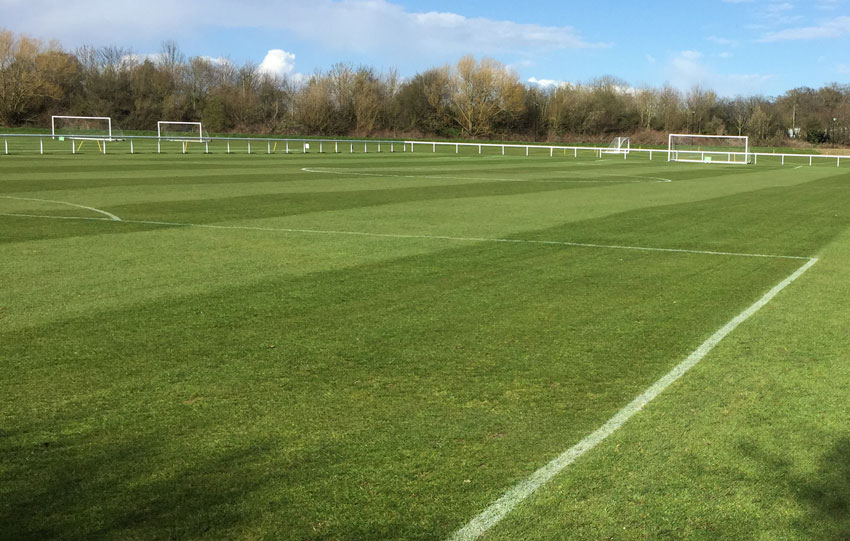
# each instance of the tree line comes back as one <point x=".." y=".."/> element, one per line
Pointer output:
<point x="475" y="99"/>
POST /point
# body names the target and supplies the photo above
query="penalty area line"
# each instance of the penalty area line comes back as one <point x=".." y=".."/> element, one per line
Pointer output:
<point x="424" y="237"/>
<point x="493" y="514"/>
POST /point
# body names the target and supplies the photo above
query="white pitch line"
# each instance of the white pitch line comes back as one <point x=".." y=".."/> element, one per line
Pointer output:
<point x="522" y="490"/>
<point x="425" y="237"/>
<point x="109" y="214"/>
<point x="357" y="173"/>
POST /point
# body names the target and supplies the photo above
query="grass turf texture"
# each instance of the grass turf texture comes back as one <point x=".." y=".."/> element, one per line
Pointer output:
<point x="248" y="376"/>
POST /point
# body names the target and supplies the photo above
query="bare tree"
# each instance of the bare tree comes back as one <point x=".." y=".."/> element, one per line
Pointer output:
<point x="483" y="92"/>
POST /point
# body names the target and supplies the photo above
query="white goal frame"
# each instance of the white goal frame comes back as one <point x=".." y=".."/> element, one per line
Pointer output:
<point x="620" y="145"/>
<point x="82" y="137"/>
<point x="193" y="137"/>
<point x="197" y="135"/>
<point x="735" y="157"/>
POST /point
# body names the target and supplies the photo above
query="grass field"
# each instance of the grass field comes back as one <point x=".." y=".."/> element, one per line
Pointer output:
<point x="375" y="346"/>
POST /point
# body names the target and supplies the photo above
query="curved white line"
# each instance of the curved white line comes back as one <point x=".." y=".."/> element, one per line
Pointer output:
<point x="109" y="214"/>
<point x="346" y="172"/>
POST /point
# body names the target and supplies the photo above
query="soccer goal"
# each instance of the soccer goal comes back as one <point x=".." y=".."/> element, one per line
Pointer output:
<point x="84" y="128"/>
<point x="180" y="132"/>
<point x="733" y="149"/>
<point x="620" y="145"/>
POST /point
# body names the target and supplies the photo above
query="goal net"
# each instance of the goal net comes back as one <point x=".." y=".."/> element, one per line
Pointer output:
<point x="620" y="145"/>
<point x="90" y="128"/>
<point x="182" y="132"/>
<point x="708" y="148"/>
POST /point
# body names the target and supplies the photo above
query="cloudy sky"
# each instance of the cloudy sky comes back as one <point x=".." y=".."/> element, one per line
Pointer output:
<point x="733" y="46"/>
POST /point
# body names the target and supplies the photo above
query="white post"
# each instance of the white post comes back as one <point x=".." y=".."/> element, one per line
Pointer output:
<point x="551" y="151"/>
<point x="206" y="147"/>
<point x="249" y="147"/>
<point x="755" y="159"/>
<point x="503" y="150"/>
<point x="479" y="149"/>
<point x="41" y="145"/>
<point x="526" y="150"/>
<point x="287" y="147"/>
<point x="73" y="147"/>
<point x="104" y="147"/>
<point x="321" y="147"/>
<point x="336" y="147"/>
<point x="159" y="149"/>
<point x="379" y="148"/>
<point x="392" y="148"/>
<point x="269" y="147"/>
<point x="837" y="161"/>
<point x="228" y="146"/>
<point x="650" y="155"/>
<point x="435" y="147"/>
<point x="457" y="148"/>
<point x="810" y="161"/>
<point x="131" y="147"/>
<point x="783" y="160"/>
<point x="575" y="152"/>
<point x="6" y="145"/>
<point x="351" y="150"/>
<point x="365" y="148"/>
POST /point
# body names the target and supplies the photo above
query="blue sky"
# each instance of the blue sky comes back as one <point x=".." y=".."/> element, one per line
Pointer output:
<point x="732" y="46"/>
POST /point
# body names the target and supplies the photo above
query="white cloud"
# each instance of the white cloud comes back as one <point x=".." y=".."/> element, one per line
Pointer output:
<point x="548" y="83"/>
<point x="689" y="68"/>
<point x="722" y="41"/>
<point x="832" y="28"/>
<point x="348" y="25"/>
<point x="278" y="63"/>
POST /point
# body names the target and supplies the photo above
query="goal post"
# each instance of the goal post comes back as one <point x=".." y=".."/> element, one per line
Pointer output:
<point x="728" y="149"/>
<point x="91" y="128"/>
<point x="620" y="145"/>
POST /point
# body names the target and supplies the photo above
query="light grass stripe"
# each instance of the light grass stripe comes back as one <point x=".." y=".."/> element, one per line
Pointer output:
<point x="424" y="237"/>
<point x="519" y="492"/>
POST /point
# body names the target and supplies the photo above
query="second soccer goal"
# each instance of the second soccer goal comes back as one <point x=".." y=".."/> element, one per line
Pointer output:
<point x="730" y="149"/>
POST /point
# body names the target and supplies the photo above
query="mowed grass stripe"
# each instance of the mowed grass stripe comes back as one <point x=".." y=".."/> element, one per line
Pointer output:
<point x="388" y="387"/>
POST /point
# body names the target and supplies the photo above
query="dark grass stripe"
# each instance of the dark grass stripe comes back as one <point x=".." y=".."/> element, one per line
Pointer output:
<point x="387" y="387"/>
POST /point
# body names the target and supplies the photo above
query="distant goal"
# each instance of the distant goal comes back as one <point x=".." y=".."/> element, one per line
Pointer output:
<point x="728" y="149"/>
<point x="620" y="145"/>
<point x="84" y="128"/>
<point x="180" y="132"/>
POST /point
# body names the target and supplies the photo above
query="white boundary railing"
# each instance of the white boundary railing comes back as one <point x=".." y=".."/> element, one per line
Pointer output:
<point x="336" y="146"/>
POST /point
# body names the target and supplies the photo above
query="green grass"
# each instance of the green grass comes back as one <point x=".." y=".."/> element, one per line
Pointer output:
<point x="257" y="351"/>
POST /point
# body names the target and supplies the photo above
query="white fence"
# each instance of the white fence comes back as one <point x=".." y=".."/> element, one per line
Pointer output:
<point x="293" y="145"/>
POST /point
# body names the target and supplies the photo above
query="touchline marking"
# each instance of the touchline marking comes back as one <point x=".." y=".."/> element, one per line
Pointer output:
<point x="357" y="173"/>
<point x="426" y="237"/>
<point x="109" y="214"/>
<point x="522" y="490"/>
